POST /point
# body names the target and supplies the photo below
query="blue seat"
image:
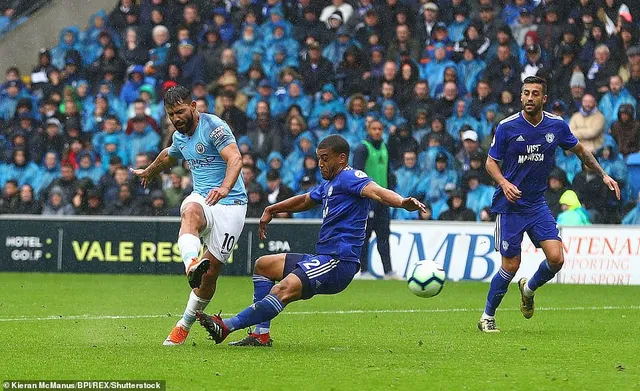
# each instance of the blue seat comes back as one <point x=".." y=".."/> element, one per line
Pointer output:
<point x="633" y="162"/>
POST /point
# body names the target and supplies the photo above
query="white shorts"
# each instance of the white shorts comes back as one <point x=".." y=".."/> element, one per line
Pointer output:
<point x="224" y="225"/>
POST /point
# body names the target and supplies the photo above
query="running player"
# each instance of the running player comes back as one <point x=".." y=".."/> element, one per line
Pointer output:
<point x="525" y="143"/>
<point x="216" y="209"/>
<point x="345" y="199"/>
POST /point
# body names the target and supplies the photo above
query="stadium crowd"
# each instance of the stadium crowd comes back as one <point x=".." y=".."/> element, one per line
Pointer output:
<point x="439" y="76"/>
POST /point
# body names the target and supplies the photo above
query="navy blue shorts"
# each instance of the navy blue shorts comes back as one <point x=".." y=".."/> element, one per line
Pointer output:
<point x="510" y="227"/>
<point x="320" y="274"/>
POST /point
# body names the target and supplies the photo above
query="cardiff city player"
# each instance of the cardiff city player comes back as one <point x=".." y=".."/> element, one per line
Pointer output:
<point x="525" y="143"/>
<point x="216" y="209"/>
<point x="344" y="196"/>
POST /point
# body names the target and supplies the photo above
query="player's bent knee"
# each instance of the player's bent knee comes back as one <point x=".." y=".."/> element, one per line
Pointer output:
<point x="287" y="291"/>
<point x="511" y="265"/>
<point x="262" y="266"/>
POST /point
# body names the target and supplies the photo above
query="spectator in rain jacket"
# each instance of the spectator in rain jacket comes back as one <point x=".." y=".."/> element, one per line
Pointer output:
<point x="156" y="67"/>
<point x="573" y="213"/>
<point x="340" y="128"/>
<point x="50" y="139"/>
<point x="568" y="162"/>
<point x="277" y="62"/>
<point x="433" y="68"/>
<point x="309" y="169"/>
<point x="294" y="96"/>
<point x="87" y="168"/>
<point x="57" y="204"/>
<point x="143" y="139"/>
<point x="304" y="143"/>
<point x="470" y="68"/>
<point x="626" y="131"/>
<point x="68" y="41"/>
<point x="611" y="101"/>
<point x="20" y="169"/>
<point x="191" y="64"/>
<point x="243" y="47"/>
<point x="391" y="118"/>
<point x="479" y="196"/>
<point x="329" y="102"/>
<point x="334" y="51"/>
<point x="9" y="99"/>
<point x="460" y="117"/>
<point x="276" y="18"/>
<point x="275" y="161"/>
<point x="614" y="165"/>
<point x="280" y="40"/>
<point x="48" y="173"/>
<point x="432" y="187"/>
<point x="265" y="93"/>
<point x="407" y="178"/>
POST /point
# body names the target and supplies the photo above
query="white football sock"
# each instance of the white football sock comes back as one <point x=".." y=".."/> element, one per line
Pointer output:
<point x="485" y="316"/>
<point x="194" y="304"/>
<point x="528" y="291"/>
<point x="189" y="246"/>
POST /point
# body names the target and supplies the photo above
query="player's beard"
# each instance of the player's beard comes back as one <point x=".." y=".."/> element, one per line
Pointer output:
<point x="186" y="125"/>
<point x="532" y="110"/>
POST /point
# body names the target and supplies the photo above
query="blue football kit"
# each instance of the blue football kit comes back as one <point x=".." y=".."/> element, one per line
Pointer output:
<point x="527" y="154"/>
<point x="344" y="218"/>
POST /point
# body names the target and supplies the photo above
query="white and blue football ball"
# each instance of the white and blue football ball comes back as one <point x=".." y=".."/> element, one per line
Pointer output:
<point x="426" y="278"/>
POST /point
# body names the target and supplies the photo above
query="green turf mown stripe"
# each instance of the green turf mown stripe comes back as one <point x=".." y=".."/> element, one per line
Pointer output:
<point x="345" y="312"/>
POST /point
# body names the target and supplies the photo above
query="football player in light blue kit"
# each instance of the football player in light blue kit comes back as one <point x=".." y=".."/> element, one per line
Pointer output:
<point x="216" y="209"/>
<point x="344" y="196"/>
<point x="525" y="144"/>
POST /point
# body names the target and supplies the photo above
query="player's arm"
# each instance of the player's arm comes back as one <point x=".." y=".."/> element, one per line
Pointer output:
<point x="390" y="198"/>
<point x="510" y="190"/>
<point x="591" y="162"/>
<point x="299" y="203"/>
<point x="163" y="160"/>
<point x="231" y="155"/>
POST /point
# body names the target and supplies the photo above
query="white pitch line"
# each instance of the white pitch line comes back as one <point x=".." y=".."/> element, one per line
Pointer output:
<point x="345" y="312"/>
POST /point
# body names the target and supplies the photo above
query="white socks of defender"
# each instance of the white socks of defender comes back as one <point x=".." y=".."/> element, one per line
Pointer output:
<point x="527" y="291"/>
<point x="194" y="304"/>
<point x="189" y="246"/>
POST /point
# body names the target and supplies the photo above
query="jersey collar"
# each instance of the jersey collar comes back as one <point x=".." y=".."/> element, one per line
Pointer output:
<point x="525" y="118"/>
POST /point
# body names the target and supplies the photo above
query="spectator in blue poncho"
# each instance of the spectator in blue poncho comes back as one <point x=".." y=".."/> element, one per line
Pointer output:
<point x="220" y="21"/>
<point x="294" y="126"/>
<point x="305" y="185"/>
<point x="49" y="171"/>
<point x="20" y="169"/>
<point x="87" y="167"/>
<point x="304" y="143"/>
<point x="433" y="70"/>
<point x="434" y="146"/>
<point x="614" y="165"/>
<point x="340" y="128"/>
<point x="356" y="115"/>
<point x="275" y="162"/>
<point x="568" y="162"/>
<point x="329" y="102"/>
<point x="390" y="117"/>
<point x="324" y="126"/>
<point x="275" y="17"/>
<point x="334" y="51"/>
<point x="309" y="169"/>
<point x="407" y="178"/>
<point x="277" y="62"/>
<point x="432" y="187"/>
<point x="611" y="101"/>
<point x="460" y="117"/>
<point x="294" y="96"/>
<point x="459" y="24"/>
<point x="244" y="46"/>
<point x="69" y="40"/>
<point x="265" y="93"/>
<point x="143" y="139"/>
<point x="470" y="68"/>
<point x="279" y="38"/>
<point x="488" y="121"/>
<point x="479" y="196"/>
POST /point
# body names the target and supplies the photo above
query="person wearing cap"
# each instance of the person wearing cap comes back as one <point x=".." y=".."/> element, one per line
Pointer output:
<point x="470" y="145"/>
<point x="192" y="64"/>
<point x="265" y="93"/>
<point x="626" y="130"/>
<point x="346" y="11"/>
<point x="573" y="214"/>
<point x="428" y="19"/>
<point x="577" y="87"/>
<point x="479" y="196"/>
<point x="611" y="101"/>
<point x="532" y="63"/>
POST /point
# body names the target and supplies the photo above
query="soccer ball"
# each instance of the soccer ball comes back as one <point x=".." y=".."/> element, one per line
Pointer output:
<point x="426" y="279"/>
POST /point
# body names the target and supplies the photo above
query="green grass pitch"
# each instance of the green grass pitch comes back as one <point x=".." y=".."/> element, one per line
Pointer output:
<point x="375" y="335"/>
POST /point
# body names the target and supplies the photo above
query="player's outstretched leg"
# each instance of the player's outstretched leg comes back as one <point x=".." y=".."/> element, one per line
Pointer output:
<point x="497" y="290"/>
<point x="283" y="293"/>
<point x="546" y="271"/>
<point x="199" y="298"/>
<point x="266" y="271"/>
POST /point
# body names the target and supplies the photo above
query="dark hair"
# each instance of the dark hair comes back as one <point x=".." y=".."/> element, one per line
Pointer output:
<point x="12" y="181"/>
<point x="176" y="95"/>
<point x="336" y="144"/>
<point x="536" y="80"/>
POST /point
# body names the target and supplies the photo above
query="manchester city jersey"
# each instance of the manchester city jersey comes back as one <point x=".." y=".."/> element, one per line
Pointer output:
<point x="527" y="153"/>
<point x="202" y="152"/>
<point x="344" y="214"/>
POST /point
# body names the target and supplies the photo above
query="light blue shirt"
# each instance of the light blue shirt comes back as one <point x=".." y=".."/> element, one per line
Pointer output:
<point x="202" y="152"/>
